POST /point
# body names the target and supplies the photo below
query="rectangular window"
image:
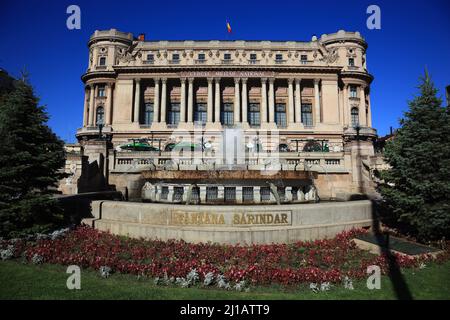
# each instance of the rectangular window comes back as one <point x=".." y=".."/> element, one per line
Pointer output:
<point x="175" y="57"/>
<point x="101" y="91"/>
<point x="265" y="193"/>
<point x="178" y="193"/>
<point x="351" y="62"/>
<point x="307" y="114"/>
<point x="227" y="115"/>
<point x="254" y="115"/>
<point x="102" y="61"/>
<point x="353" y="92"/>
<point x="201" y="56"/>
<point x="252" y="56"/>
<point x="164" y="193"/>
<point x="281" y="193"/>
<point x="212" y="193"/>
<point x="280" y="115"/>
<point x="200" y="114"/>
<point x="148" y="114"/>
<point x="304" y="57"/>
<point x="150" y="57"/>
<point x="174" y="114"/>
<point x="195" y="195"/>
<point x="247" y="194"/>
<point x="278" y="57"/>
<point x="227" y="56"/>
<point x="230" y="194"/>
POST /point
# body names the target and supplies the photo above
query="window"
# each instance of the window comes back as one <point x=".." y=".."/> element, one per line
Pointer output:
<point x="178" y="193"/>
<point x="200" y="113"/>
<point x="150" y="57"/>
<point x="212" y="193"/>
<point x="303" y="57"/>
<point x="353" y="92"/>
<point x="175" y="57"/>
<point x="100" y="116"/>
<point x="230" y="194"/>
<point x="101" y="91"/>
<point x="265" y="193"/>
<point x="195" y="194"/>
<point x="278" y="57"/>
<point x="148" y="114"/>
<point x="164" y="193"/>
<point x="227" y="56"/>
<point x="247" y="194"/>
<point x="355" y="117"/>
<point x="254" y="115"/>
<point x="174" y="114"/>
<point x="351" y="62"/>
<point x="281" y="193"/>
<point x="102" y="61"/>
<point x="306" y="112"/>
<point x="201" y="56"/>
<point x="227" y="116"/>
<point x="252" y="56"/>
<point x="280" y="115"/>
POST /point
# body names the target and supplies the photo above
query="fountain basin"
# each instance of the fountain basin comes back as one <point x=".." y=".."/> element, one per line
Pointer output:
<point x="230" y="224"/>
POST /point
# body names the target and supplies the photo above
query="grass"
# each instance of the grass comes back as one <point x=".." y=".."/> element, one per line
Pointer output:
<point x="26" y="281"/>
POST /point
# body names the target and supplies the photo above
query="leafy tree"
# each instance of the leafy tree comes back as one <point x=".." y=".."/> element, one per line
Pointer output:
<point x="417" y="187"/>
<point x="31" y="156"/>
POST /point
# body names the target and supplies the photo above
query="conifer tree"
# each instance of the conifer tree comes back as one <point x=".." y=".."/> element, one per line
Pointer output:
<point x="31" y="157"/>
<point x="417" y="187"/>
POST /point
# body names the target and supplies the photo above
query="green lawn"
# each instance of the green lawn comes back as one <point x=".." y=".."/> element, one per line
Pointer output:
<point x="25" y="281"/>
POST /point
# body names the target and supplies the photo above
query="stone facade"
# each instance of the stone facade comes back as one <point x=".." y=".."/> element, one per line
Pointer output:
<point x="313" y="97"/>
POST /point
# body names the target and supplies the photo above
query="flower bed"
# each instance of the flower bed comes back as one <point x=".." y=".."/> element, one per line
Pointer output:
<point x="331" y="260"/>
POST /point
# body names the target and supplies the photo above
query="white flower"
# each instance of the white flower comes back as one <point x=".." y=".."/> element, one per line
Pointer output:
<point x="325" y="286"/>
<point x="192" y="276"/>
<point x="37" y="259"/>
<point x="422" y="265"/>
<point x="240" y="285"/>
<point x="348" y="283"/>
<point x="314" y="287"/>
<point x="105" y="271"/>
<point x="209" y="279"/>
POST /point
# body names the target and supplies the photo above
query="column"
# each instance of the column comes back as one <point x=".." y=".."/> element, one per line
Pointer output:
<point x="291" y="101"/>
<point x="190" y="100"/>
<point x="137" y="100"/>
<point x="156" y="102"/>
<point x="244" y="100"/>
<point x="209" y="106"/>
<point x="183" y="100"/>
<point x="163" y="100"/>
<point x="87" y="93"/>
<point x="109" y="96"/>
<point x="298" y="101"/>
<point x="263" y="100"/>
<point x="271" y="101"/>
<point x="217" y="102"/>
<point x="362" y="106"/>
<point x="237" y="107"/>
<point x="91" y="106"/>
<point x="316" y="101"/>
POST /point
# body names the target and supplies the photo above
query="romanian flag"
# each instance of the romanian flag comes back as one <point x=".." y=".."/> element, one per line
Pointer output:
<point x="228" y="27"/>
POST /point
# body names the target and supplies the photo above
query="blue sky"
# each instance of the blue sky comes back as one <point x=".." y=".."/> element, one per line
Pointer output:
<point x="413" y="35"/>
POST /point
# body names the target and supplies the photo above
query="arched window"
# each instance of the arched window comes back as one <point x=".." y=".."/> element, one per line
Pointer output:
<point x="227" y="115"/>
<point x="280" y="115"/>
<point x="254" y="115"/>
<point x="355" y="117"/>
<point x="100" y="116"/>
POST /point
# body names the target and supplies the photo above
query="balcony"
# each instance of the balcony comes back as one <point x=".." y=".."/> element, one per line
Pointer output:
<point x="101" y="67"/>
<point x="174" y="61"/>
<point x="280" y="61"/>
<point x="200" y="61"/>
<point x="253" y="61"/>
<point x="306" y="62"/>
<point x="227" y="61"/>
<point x="148" y="61"/>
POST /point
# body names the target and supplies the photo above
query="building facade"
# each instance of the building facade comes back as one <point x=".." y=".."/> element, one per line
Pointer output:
<point x="297" y="106"/>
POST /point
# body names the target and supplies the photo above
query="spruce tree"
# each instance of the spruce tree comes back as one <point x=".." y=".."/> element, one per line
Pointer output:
<point x="417" y="187"/>
<point x="31" y="157"/>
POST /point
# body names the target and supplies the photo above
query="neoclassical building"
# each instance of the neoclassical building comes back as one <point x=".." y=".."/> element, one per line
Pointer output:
<point x="296" y="106"/>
